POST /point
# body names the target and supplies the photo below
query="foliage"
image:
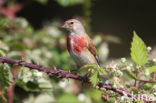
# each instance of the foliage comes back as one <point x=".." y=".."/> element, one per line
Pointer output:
<point x="152" y="69"/>
<point x="68" y="98"/>
<point x="94" y="78"/>
<point x="139" y="51"/>
<point x="5" y="76"/>
<point x="47" y="47"/>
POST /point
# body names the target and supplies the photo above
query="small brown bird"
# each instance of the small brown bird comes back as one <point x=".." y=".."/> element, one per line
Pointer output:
<point x="79" y="45"/>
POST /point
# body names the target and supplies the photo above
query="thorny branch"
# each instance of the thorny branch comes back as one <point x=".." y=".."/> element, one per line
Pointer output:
<point x="67" y="74"/>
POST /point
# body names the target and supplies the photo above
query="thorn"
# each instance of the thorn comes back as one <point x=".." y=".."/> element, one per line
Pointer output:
<point x="19" y="62"/>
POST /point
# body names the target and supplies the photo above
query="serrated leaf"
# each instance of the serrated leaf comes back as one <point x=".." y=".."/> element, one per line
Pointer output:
<point x="94" y="78"/>
<point x="5" y="76"/>
<point x="139" y="52"/>
<point x="152" y="69"/>
<point x="103" y="71"/>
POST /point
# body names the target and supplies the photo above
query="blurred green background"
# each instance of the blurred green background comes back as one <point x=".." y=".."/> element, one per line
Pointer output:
<point x="118" y="18"/>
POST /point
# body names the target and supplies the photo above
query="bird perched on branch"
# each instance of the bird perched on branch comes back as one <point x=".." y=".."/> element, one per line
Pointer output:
<point x="79" y="44"/>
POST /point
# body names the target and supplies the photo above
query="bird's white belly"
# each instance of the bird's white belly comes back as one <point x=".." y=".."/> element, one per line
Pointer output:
<point x="83" y="58"/>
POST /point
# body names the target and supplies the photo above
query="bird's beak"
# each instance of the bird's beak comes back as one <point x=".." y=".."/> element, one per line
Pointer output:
<point x="64" y="26"/>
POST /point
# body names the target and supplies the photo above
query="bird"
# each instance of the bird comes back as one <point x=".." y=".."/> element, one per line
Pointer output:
<point x="79" y="44"/>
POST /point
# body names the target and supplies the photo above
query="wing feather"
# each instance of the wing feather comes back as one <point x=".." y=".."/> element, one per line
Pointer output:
<point x="92" y="49"/>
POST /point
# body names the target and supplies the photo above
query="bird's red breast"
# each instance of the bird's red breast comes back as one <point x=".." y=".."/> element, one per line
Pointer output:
<point x="77" y="43"/>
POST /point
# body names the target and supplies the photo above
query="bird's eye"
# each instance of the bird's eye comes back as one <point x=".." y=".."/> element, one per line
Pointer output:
<point x="71" y="22"/>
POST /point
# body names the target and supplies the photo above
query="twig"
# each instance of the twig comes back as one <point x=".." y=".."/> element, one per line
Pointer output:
<point x="11" y="93"/>
<point x="11" y="88"/>
<point x="66" y="74"/>
<point x="147" y="81"/>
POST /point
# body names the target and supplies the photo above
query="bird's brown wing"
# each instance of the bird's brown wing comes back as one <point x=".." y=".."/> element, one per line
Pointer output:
<point x="92" y="49"/>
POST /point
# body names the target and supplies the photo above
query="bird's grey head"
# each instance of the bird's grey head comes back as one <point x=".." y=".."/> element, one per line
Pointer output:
<point x="74" y="26"/>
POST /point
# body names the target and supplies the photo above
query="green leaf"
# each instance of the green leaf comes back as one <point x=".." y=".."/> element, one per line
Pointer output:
<point x="149" y="86"/>
<point x="139" y="101"/>
<point x="68" y="98"/>
<point x="4" y="23"/>
<point x="94" y="78"/>
<point x="32" y="86"/>
<point x="134" y="91"/>
<point x="139" y="52"/>
<point x="95" y="95"/>
<point x="66" y="3"/>
<point x="103" y="71"/>
<point x="25" y="74"/>
<point x="45" y="85"/>
<point x="152" y="69"/>
<point x="40" y="98"/>
<point x="112" y="100"/>
<point x="5" y="76"/>
<point x="83" y="70"/>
